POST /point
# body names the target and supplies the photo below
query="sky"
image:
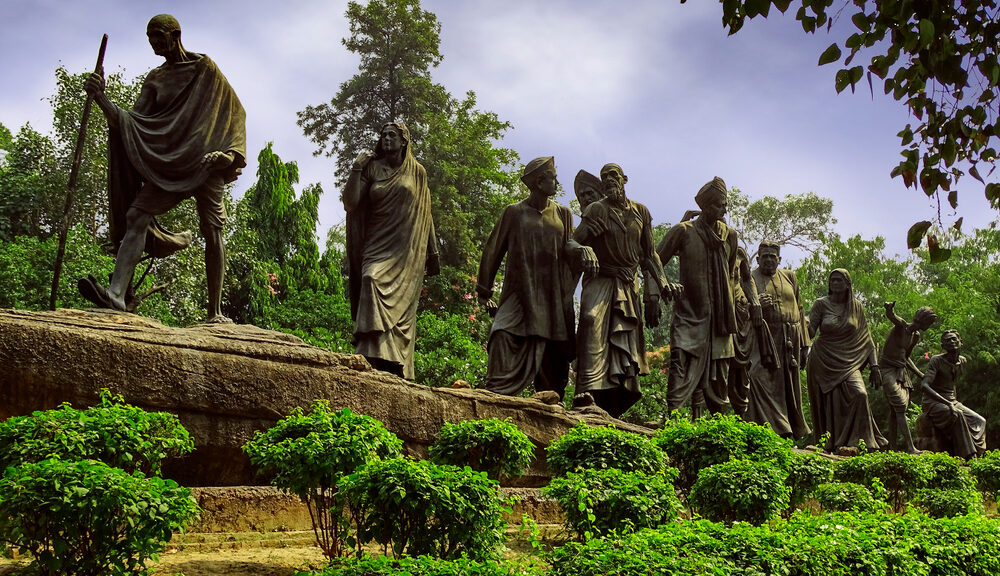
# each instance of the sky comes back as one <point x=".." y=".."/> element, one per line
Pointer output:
<point x="653" y="85"/>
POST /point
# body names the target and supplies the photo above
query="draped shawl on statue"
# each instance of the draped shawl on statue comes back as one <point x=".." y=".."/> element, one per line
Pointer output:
<point x="388" y="235"/>
<point x="184" y="111"/>
<point x="844" y="343"/>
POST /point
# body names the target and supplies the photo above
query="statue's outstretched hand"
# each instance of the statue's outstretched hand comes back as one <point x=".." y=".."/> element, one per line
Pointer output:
<point x="889" y="306"/>
<point x="651" y="310"/>
<point x="876" y="377"/>
<point x="672" y="291"/>
<point x="490" y="305"/>
<point x="432" y="266"/>
<point x="362" y="160"/>
<point x="217" y="160"/>
<point x="94" y="84"/>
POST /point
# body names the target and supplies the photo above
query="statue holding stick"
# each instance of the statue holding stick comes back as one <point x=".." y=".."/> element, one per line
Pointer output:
<point x="185" y="137"/>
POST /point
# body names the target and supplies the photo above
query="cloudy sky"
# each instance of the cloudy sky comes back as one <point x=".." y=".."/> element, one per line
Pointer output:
<point x="653" y="85"/>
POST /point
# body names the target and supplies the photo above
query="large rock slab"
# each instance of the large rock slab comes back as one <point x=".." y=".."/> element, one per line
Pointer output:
<point x="227" y="381"/>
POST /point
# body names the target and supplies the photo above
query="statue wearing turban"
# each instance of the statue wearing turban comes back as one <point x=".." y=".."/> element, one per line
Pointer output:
<point x="704" y="320"/>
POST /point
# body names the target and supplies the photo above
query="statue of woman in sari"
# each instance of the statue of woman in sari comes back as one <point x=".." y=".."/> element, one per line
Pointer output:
<point x="390" y="245"/>
<point x="837" y="394"/>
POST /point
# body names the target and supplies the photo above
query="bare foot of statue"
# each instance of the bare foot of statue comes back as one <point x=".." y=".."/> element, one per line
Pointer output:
<point x="218" y="319"/>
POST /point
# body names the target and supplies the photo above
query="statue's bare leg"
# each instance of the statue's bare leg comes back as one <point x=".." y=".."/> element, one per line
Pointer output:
<point x="215" y="271"/>
<point x="137" y="223"/>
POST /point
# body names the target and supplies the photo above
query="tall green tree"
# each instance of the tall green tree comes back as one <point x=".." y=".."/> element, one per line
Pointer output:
<point x="397" y="42"/>
<point x="938" y="58"/>
<point x="470" y="177"/>
<point x="30" y="178"/>
<point x="90" y="207"/>
<point x="798" y="220"/>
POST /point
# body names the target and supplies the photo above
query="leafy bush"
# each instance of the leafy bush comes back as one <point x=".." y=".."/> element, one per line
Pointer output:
<point x="603" y="447"/>
<point x="835" y="544"/>
<point x="902" y="474"/>
<point x="947" y="472"/>
<point x="446" y="350"/>
<point x="493" y="446"/>
<point x="693" y="446"/>
<point x="120" y="435"/>
<point x="425" y="508"/>
<point x="944" y="503"/>
<point x="740" y="490"/>
<point x="847" y="497"/>
<point x="805" y="473"/>
<point x="87" y="518"/>
<point x="308" y="453"/>
<point x="595" y="502"/>
<point x="986" y="471"/>
<point x="418" y="566"/>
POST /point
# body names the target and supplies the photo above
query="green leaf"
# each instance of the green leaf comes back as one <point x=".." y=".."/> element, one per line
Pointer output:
<point x="860" y="21"/>
<point x="831" y="54"/>
<point x="937" y="253"/>
<point x="926" y="32"/>
<point x="916" y="234"/>
<point x="841" y="80"/>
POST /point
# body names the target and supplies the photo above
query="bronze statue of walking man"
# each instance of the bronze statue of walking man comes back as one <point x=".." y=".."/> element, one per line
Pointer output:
<point x="184" y="137"/>
<point x="532" y="339"/>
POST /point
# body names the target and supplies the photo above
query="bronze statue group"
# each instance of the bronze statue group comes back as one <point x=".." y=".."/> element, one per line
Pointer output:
<point x="738" y="337"/>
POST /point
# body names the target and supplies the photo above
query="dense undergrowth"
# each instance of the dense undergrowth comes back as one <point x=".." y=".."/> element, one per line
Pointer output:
<point x="717" y="496"/>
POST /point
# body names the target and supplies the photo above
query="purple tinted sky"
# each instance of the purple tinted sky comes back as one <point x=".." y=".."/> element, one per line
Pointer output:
<point x="653" y="85"/>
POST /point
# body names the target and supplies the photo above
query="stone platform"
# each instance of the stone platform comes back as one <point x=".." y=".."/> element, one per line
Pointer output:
<point x="227" y="381"/>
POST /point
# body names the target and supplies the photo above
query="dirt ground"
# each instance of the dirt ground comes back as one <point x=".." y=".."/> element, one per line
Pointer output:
<point x="241" y="555"/>
<point x="257" y="553"/>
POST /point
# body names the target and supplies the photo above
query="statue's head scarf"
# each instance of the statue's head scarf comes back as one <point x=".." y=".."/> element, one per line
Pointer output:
<point x="404" y="133"/>
<point x="533" y="168"/>
<point x="846" y="277"/>
<point x="710" y="192"/>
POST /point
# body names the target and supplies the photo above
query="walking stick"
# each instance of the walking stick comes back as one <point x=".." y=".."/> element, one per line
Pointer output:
<point x="71" y="186"/>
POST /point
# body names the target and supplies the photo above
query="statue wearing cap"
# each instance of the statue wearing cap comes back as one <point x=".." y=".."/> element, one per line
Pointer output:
<point x="704" y="320"/>
<point x="532" y="337"/>
<point x="610" y="341"/>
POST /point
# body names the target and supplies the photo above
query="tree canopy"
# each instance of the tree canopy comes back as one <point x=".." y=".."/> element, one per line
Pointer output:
<point x="940" y="59"/>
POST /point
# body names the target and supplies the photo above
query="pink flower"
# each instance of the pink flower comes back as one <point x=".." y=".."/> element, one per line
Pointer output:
<point x="472" y="317"/>
<point x="926" y="355"/>
<point x="468" y="296"/>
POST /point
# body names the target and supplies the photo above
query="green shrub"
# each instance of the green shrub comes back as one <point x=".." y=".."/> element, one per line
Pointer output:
<point x="603" y="447"/>
<point x="308" y="453"/>
<point x="947" y="472"/>
<point x="595" y="502"/>
<point x="740" y="490"/>
<point x="418" y="566"/>
<point x="446" y="350"/>
<point x="493" y="446"/>
<point x="834" y="544"/>
<point x="425" y="508"/>
<point x="902" y="474"/>
<point x="944" y="503"/>
<point x="805" y="473"/>
<point x="693" y="446"/>
<point x="986" y="471"/>
<point x="847" y="497"/>
<point x="87" y="518"/>
<point x="120" y="435"/>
